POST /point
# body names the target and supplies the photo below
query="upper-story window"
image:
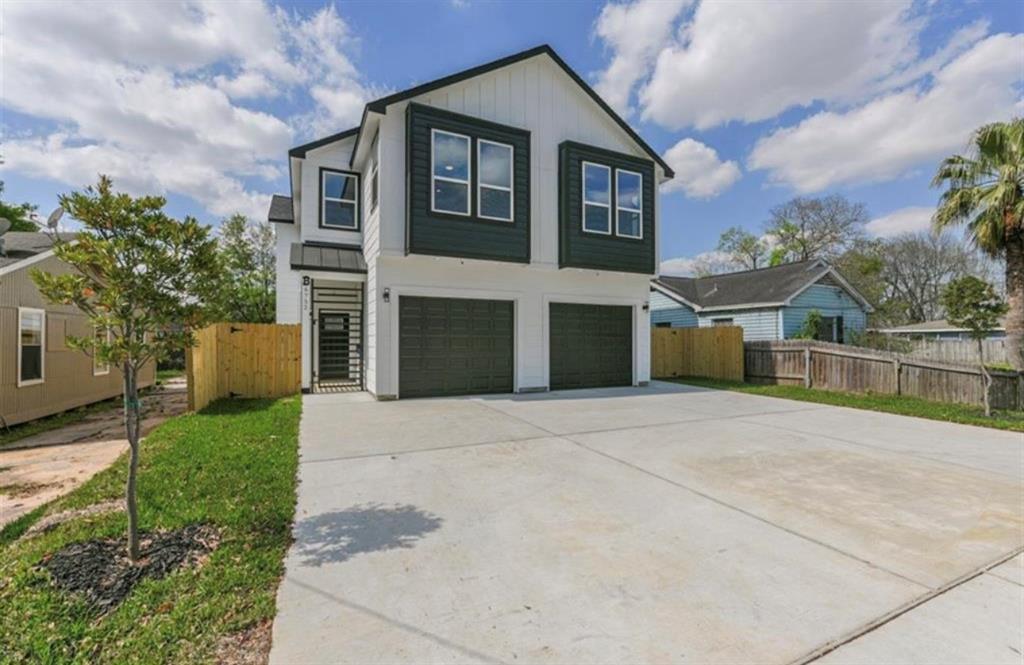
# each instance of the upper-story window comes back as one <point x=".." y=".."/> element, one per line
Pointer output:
<point x="374" y="177"/>
<point x="629" y="216"/>
<point x="494" y="189"/>
<point x="31" y="332"/>
<point x="339" y="200"/>
<point x="450" y="173"/>
<point x="597" y="210"/>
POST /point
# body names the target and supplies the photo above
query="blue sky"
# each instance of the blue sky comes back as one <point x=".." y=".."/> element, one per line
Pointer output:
<point x="755" y="103"/>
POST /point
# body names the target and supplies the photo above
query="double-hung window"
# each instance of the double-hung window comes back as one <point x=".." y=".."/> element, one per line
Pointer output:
<point x="31" y="333"/>
<point x="597" y="209"/>
<point x="494" y="186"/>
<point x="100" y="367"/>
<point x="629" y="216"/>
<point x="450" y="171"/>
<point x="339" y="201"/>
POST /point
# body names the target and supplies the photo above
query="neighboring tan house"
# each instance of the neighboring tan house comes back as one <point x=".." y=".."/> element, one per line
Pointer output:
<point x="39" y="374"/>
<point x="940" y="330"/>
<point x="769" y="303"/>
<point x="490" y="231"/>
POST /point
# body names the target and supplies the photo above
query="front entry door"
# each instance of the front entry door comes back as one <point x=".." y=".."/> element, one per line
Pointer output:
<point x="334" y="352"/>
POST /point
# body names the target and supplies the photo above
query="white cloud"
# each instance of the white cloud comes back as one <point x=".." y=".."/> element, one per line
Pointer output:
<point x="751" y="61"/>
<point x="635" y="32"/>
<point x="898" y="222"/>
<point x="713" y="262"/>
<point x="888" y="136"/>
<point x="700" y="174"/>
<point x="147" y="93"/>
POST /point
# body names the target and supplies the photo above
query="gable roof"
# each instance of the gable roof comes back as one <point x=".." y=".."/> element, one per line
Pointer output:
<point x="301" y="150"/>
<point x="22" y="245"/>
<point x="381" y="105"/>
<point x="764" y="287"/>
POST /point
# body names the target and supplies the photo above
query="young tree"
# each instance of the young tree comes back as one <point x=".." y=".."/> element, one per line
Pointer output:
<point x="811" y="327"/>
<point x="743" y="247"/>
<point x="985" y="191"/>
<point x="19" y="214"/>
<point x="142" y="278"/>
<point x="247" y="255"/>
<point x="973" y="304"/>
<point x="811" y="228"/>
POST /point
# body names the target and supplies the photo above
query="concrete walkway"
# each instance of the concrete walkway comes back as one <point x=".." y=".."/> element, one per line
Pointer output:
<point x="661" y="524"/>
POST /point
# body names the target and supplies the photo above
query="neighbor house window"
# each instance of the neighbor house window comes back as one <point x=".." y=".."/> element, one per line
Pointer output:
<point x="31" y="332"/>
<point x="100" y="367"/>
<point x="339" y="203"/>
<point x="450" y="172"/>
<point x="597" y="210"/>
<point x="629" y="215"/>
<point x="494" y="186"/>
<point x="721" y="322"/>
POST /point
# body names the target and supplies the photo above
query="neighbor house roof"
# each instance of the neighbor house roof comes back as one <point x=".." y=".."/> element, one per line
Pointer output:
<point x="937" y="326"/>
<point x="764" y="287"/>
<point x="327" y="256"/>
<point x="22" y="245"/>
<point x="281" y="209"/>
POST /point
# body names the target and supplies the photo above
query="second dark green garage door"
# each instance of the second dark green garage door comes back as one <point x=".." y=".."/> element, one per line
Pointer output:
<point x="591" y="346"/>
<point x="454" y="346"/>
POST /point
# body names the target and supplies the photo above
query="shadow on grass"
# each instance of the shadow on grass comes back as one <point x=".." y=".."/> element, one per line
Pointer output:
<point x="338" y="536"/>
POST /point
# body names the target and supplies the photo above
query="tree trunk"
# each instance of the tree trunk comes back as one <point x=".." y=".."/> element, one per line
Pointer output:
<point x="1015" y="299"/>
<point x="986" y="378"/>
<point x="131" y="424"/>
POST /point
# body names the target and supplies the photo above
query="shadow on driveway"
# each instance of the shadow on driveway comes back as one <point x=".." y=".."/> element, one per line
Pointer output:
<point x="338" y="536"/>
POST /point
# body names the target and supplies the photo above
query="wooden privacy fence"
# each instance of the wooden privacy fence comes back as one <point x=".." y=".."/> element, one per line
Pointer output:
<point x="959" y="351"/>
<point x="852" y="369"/>
<point x="715" y="352"/>
<point x="243" y="360"/>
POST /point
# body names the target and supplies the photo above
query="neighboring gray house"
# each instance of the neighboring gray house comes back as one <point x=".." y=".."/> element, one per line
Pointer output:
<point x="940" y="329"/>
<point x="769" y="304"/>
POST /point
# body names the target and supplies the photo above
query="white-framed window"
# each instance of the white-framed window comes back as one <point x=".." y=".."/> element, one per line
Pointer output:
<point x="99" y="367"/>
<point x="31" y="337"/>
<point x="629" y="216"/>
<point x="339" y="200"/>
<point x="597" y="197"/>
<point x="374" y="180"/>
<point x="721" y="322"/>
<point x="494" y="180"/>
<point x="450" y="171"/>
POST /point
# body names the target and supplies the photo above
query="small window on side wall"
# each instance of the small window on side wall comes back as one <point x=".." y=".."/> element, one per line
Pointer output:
<point x="629" y="216"/>
<point x="494" y="186"/>
<point x="31" y="333"/>
<point x="450" y="172"/>
<point x="339" y="204"/>
<point x="597" y="209"/>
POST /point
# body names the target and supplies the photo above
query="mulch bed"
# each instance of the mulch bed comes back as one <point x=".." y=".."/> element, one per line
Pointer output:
<point x="100" y="572"/>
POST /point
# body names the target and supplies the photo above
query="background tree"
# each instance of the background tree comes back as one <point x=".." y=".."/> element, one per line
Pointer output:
<point x="985" y="191"/>
<point x="142" y="278"/>
<point x="248" y="258"/>
<point x="19" y="214"/>
<point x="745" y="249"/>
<point x="811" y="228"/>
<point x="973" y="304"/>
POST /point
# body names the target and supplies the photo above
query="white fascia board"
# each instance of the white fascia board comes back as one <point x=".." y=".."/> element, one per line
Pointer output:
<point x="25" y="263"/>
<point x="753" y="305"/>
<point x="669" y="293"/>
<point x="829" y="270"/>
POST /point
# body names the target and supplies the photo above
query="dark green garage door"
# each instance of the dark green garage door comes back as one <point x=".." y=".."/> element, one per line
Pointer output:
<point x="591" y="346"/>
<point x="454" y="346"/>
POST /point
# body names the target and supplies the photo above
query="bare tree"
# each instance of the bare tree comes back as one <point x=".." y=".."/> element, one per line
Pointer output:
<point x="746" y="250"/>
<point x="811" y="228"/>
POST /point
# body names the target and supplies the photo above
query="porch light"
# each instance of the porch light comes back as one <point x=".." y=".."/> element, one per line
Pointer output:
<point x="387" y="295"/>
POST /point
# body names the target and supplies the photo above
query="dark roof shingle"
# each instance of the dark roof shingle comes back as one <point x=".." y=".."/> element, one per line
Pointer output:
<point x="21" y="245"/>
<point x="281" y="209"/>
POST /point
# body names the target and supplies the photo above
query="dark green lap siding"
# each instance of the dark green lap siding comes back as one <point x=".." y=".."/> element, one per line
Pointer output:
<point x="442" y="234"/>
<point x="454" y="346"/>
<point x="591" y="346"/>
<point x="577" y="249"/>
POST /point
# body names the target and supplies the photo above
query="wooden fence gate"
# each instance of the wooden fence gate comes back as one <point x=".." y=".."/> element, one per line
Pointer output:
<point x="714" y="353"/>
<point x="243" y="360"/>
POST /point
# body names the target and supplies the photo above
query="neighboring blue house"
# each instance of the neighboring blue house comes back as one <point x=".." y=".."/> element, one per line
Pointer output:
<point x="770" y="303"/>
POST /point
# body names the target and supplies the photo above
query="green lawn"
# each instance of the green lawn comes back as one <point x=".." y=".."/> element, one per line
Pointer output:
<point x="165" y="374"/>
<point x="232" y="465"/>
<point x="901" y="405"/>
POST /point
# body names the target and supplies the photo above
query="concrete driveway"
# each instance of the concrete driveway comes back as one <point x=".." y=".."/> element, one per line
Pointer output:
<point x="659" y="524"/>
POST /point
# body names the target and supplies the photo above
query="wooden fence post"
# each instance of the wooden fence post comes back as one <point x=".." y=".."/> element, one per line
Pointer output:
<point x="897" y="370"/>
<point x="807" y="366"/>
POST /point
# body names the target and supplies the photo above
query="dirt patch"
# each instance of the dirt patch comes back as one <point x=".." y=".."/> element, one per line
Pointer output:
<point x="247" y="647"/>
<point x="99" y="570"/>
<point x="22" y="490"/>
<point x="52" y="521"/>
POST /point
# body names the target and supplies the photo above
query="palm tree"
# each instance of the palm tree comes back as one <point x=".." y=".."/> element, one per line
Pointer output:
<point x="986" y="192"/>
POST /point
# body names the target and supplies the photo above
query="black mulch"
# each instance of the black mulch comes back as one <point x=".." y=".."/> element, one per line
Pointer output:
<point x="99" y="570"/>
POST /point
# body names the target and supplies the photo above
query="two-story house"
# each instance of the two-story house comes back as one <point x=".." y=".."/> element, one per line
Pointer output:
<point x="494" y="230"/>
